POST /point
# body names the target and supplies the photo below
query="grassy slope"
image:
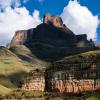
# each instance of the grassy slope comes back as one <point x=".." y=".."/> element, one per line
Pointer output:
<point x="4" y="90"/>
<point x="76" y="58"/>
<point x="11" y="68"/>
<point x="26" y="55"/>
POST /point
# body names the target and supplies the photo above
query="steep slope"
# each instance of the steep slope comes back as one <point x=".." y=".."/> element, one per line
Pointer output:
<point x="27" y="56"/>
<point x="4" y="90"/>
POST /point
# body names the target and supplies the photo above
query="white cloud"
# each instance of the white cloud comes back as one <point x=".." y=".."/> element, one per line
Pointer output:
<point x="7" y="3"/>
<point x="16" y="19"/>
<point x="80" y="20"/>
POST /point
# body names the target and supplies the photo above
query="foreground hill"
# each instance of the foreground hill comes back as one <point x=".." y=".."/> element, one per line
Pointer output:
<point x="82" y="61"/>
<point x="11" y="69"/>
<point x="75" y="74"/>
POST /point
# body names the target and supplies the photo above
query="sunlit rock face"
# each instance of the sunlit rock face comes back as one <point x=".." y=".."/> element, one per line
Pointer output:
<point x="33" y="82"/>
<point x="65" y="81"/>
<point x="19" y="38"/>
<point x="54" y="20"/>
<point x="75" y="86"/>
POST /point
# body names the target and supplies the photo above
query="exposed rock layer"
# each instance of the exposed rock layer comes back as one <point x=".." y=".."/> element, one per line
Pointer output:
<point x="75" y="86"/>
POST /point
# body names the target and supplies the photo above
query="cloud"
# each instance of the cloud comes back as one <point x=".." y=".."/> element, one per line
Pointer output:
<point x="7" y="3"/>
<point x="80" y="20"/>
<point x="14" y="3"/>
<point x="16" y="19"/>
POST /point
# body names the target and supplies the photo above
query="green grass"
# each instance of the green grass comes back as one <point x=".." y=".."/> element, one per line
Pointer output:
<point x="4" y="90"/>
<point x="11" y="65"/>
<point x="7" y="83"/>
<point x="10" y="69"/>
<point x="93" y="98"/>
<point x="76" y="58"/>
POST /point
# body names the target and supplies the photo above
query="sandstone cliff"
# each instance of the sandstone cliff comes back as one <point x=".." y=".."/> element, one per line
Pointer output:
<point x="75" y="73"/>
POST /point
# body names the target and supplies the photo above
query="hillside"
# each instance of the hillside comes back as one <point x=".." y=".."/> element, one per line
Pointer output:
<point x="11" y="68"/>
<point x="26" y="55"/>
<point x="90" y="59"/>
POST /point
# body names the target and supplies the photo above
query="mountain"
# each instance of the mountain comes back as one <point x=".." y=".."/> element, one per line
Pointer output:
<point x="52" y="40"/>
<point x="50" y="46"/>
<point x="11" y="69"/>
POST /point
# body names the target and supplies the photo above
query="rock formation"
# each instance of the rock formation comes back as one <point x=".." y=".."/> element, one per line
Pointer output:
<point x="34" y="82"/>
<point x="54" y="20"/>
<point x="75" y="74"/>
<point x="75" y="86"/>
<point x="49" y="39"/>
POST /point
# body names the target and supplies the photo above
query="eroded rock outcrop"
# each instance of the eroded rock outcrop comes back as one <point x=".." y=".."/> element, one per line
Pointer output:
<point x="75" y="86"/>
<point x="54" y="20"/>
<point x="34" y="82"/>
<point x="19" y="38"/>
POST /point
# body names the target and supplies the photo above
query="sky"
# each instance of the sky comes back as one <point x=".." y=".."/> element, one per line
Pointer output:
<point x="81" y="16"/>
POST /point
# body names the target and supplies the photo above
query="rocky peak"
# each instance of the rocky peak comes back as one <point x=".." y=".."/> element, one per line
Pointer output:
<point x="54" y="20"/>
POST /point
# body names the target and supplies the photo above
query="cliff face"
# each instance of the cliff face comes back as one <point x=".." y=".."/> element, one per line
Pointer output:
<point x="75" y="86"/>
<point x="19" y="38"/>
<point x="52" y="32"/>
<point x="75" y="73"/>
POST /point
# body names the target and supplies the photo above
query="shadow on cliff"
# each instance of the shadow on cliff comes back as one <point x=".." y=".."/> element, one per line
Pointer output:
<point x="51" y="43"/>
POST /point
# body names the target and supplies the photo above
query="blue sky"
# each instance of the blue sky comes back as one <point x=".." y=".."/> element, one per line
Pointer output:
<point x="24" y="14"/>
<point x="56" y="7"/>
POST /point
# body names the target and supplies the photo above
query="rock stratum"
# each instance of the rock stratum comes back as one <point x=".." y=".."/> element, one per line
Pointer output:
<point x="75" y="74"/>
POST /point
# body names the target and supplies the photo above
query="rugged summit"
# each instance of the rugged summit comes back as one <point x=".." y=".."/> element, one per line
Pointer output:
<point x="54" y="20"/>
